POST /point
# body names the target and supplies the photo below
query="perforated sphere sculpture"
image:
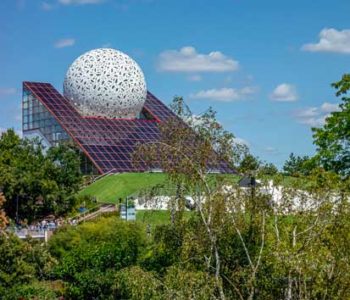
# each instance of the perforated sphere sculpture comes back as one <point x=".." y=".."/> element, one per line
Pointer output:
<point x="106" y="82"/>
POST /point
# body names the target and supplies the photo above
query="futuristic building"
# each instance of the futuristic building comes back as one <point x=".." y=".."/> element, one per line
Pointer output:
<point x="106" y="111"/>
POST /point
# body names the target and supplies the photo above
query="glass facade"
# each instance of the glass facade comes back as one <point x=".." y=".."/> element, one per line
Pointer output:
<point x="38" y="122"/>
<point x="107" y="143"/>
<point x="37" y="118"/>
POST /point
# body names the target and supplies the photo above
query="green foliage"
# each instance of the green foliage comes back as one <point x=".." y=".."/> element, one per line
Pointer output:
<point x="236" y="244"/>
<point x="14" y="262"/>
<point x="165" y="250"/>
<point x="157" y="217"/>
<point x="268" y="169"/>
<point x="249" y="164"/>
<point x="67" y="172"/>
<point x="21" y="265"/>
<point x="333" y="139"/>
<point x="36" y="290"/>
<point x="298" y="166"/>
<point x="91" y="253"/>
<point x="135" y="283"/>
<point x="90" y="284"/>
<point x="35" y="183"/>
<point x="252" y="246"/>
<point x="113" y="259"/>
<point x="3" y="218"/>
<point x="186" y="284"/>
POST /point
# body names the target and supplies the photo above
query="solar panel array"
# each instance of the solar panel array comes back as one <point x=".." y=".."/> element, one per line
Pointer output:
<point x="109" y="143"/>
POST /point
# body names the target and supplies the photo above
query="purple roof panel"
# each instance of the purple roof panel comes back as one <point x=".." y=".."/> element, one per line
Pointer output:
<point x="109" y="143"/>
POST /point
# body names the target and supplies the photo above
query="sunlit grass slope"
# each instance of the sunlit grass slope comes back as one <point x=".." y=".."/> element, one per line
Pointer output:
<point x="110" y="188"/>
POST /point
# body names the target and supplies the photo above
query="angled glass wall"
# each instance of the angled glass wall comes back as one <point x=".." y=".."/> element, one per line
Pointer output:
<point x="37" y="118"/>
<point x="38" y="122"/>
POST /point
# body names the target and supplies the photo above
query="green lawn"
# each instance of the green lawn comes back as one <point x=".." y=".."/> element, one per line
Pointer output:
<point x="157" y="217"/>
<point x="110" y="188"/>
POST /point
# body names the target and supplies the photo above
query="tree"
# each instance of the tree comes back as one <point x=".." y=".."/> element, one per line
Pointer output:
<point x="187" y="153"/>
<point x="3" y="218"/>
<point x="264" y="242"/>
<point x="90" y="255"/>
<point x="135" y="283"/>
<point x="299" y="165"/>
<point x="333" y="139"/>
<point x="268" y="169"/>
<point x="249" y="164"/>
<point x="36" y="184"/>
<point x="21" y="264"/>
<point x="303" y="255"/>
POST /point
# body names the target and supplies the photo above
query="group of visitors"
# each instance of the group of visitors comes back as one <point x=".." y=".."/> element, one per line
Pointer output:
<point x="44" y="225"/>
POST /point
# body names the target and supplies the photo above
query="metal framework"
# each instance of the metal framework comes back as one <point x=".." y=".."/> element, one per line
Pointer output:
<point x="108" y="143"/>
<point x="106" y="82"/>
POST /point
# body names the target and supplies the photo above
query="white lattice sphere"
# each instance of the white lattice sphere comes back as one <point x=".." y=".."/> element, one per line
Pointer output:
<point x="106" y="82"/>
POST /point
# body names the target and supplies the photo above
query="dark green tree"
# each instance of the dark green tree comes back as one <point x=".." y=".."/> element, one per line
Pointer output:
<point x="268" y="169"/>
<point x="298" y="165"/>
<point x="91" y="254"/>
<point x="333" y="139"/>
<point x="249" y="164"/>
<point x="34" y="183"/>
<point x="22" y="263"/>
<point x="3" y="217"/>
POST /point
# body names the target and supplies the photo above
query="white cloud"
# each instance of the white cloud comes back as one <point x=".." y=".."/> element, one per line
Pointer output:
<point x="188" y="60"/>
<point x="62" y="43"/>
<point x="194" y="78"/>
<point x="309" y="112"/>
<point x="79" y="2"/>
<point x="7" y="91"/>
<point x="331" y="40"/>
<point x="329" y="107"/>
<point x="315" y="116"/>
<point x="284" y="92"/>
<point x="248" y="90"/>
<point x="271" y="150"/>
<point x="224" y="94"/>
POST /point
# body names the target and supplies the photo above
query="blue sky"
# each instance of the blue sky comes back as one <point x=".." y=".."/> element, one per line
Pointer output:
<point x="264" y="66"/>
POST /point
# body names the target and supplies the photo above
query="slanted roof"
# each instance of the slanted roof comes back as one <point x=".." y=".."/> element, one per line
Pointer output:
<point x="109" y="143"/>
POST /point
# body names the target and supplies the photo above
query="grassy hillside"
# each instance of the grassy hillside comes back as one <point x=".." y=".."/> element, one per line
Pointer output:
<point x="157" y="217"/>
<point x="110" y="188"/>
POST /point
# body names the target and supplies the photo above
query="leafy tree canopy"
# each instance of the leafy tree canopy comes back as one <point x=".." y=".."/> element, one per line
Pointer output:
<point x="34" y="183"/>
<point x="333" y="139"/>
<point x="3" y="218"/>
<point x="299" y="165"/>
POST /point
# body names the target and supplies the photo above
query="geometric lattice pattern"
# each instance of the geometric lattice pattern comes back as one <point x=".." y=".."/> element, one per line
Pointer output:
<point x="106" y="82"/>
<point x="108" y="143"/>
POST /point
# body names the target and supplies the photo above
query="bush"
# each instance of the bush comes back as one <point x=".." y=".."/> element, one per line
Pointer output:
<point x="91" y="253"/>
<point x="36" y="290"/>
<point x="135" y="283"/>
<point x="184" y="284"/>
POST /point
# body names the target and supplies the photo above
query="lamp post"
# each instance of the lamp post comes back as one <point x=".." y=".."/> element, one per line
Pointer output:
<point x="126" y="208"/>
<point x="17" y="208"/>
